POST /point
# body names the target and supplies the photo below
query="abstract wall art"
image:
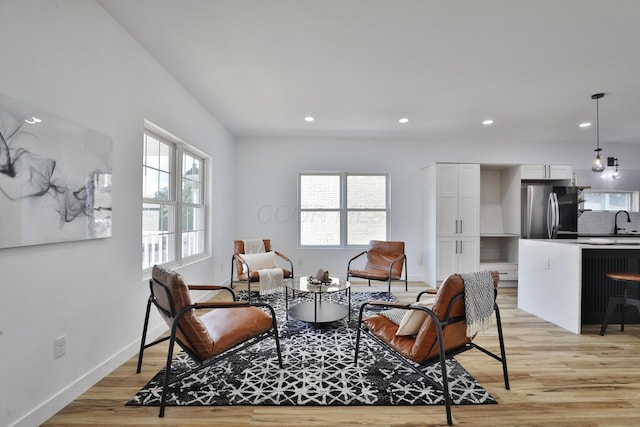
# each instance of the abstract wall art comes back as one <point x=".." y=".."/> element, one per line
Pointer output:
<point x="55" y="178"/>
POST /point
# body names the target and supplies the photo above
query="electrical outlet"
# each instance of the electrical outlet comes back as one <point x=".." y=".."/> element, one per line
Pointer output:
<point x="299" y="261"/>
<point x="59" y="347"/>
<point x="547" y="264"/>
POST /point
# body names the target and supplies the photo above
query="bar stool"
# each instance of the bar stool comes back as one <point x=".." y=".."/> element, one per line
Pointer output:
<point x="624" y="299"/>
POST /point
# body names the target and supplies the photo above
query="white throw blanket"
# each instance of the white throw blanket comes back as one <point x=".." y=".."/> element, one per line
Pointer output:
<point x="253" y="246"/>
<point x="271" y="280"/>
<point x="479" y="299"/>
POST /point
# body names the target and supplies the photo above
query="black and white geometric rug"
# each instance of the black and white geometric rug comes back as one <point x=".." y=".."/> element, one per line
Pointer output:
<point x="318" y="370"/>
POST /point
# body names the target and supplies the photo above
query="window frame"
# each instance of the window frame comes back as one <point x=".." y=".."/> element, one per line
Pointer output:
<point x="343" y="209"/>
<point x="178" y="149"/>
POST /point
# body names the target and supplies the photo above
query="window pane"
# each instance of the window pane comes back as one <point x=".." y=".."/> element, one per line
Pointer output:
<point x="158" y="234"/>
<point x="607" y="201"/>
<point x="191" y="179"/>
<point x="163" y="192"/>
<point x="193" y="231"/>
<point x="320" y="228"/>
<point x="151" y="152"/>
<point x="165" y="157"/>
<point x="149" y="183"/>
<point x="156" y="169"/>
<point x="363" y="226"/>
<point x="320" y="192"/>
<point x="366" y="191"/>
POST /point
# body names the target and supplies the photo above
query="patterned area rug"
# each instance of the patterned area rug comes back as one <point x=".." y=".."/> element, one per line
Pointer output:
<point x="318" y="370"/>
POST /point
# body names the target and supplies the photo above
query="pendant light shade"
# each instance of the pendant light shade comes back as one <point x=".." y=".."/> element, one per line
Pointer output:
<point x="598" y="164"/>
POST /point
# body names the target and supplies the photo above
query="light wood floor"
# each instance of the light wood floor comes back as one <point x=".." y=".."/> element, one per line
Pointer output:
<point x="557" y="379"/>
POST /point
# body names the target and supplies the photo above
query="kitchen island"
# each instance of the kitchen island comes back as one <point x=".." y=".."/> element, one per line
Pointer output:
<point x="564" y="281"/>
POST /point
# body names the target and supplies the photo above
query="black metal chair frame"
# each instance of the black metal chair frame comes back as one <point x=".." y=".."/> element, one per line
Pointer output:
<point x="402" y="257"/>
<point x="440" y="325"/>
<point x="246" y="265"/>
<point x="173" y="339"/>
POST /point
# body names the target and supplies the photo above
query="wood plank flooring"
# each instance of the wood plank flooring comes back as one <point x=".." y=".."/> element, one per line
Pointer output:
<point x="557" y="379"/>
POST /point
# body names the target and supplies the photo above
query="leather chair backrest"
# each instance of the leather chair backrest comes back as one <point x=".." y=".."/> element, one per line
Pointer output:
<point x="382" y="253"/>
<point x="172" y="294"/>
<point x="238" y="248"/>
<point x="455" y="335"/>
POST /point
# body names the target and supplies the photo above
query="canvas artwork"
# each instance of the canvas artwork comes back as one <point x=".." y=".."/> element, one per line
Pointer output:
<point x="55" y="178"/>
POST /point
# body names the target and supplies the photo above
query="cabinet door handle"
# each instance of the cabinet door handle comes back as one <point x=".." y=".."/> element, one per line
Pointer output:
<point x="461" y="227"/>
<point x="460" y="246"/>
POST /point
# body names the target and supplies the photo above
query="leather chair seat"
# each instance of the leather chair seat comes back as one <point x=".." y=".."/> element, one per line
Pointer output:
<point x="386" y="330"/>
<point x="229" y="327"/>
<point x="381" y="275"/>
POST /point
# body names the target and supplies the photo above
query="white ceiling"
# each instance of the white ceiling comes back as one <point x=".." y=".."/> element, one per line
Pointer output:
<point x="357" y="66"/>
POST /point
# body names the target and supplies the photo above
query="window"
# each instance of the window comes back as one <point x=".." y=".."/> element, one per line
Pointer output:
<point x="610" y="200"/>
<point x="174" y="226"/>
<point x="338" y="209"/>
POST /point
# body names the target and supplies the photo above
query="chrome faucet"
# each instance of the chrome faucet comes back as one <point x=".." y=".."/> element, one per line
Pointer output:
<point x="615" y="222"/>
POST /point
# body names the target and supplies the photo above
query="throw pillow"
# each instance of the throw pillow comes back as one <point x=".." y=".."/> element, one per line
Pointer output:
<point x="394" y="314"/>
<point x="259" y="261"/>
<point x="413" y="319"/>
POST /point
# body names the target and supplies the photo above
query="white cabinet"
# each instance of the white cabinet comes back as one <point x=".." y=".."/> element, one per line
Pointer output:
<point x="456" y="255"/>
<point x="458" y="199"/>
<point x="451" y="208"/>
<point x="546" y="171"/>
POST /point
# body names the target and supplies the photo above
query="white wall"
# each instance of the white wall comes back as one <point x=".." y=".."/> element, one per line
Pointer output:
<point x="70" y="58"/>
<point x="266" y="182"/>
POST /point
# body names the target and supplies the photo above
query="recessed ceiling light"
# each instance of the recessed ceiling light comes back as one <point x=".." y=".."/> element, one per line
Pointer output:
<point x="487" y="122"/>
<point x="309" y="119"/>
<point x="33" y="120"/>
<point x="404" y="120"/>
<point x="584" y="125"/>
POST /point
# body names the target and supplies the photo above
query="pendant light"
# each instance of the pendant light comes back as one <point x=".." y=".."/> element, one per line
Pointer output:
<point x="598" y="165"/>
<point x="616" y="174"/>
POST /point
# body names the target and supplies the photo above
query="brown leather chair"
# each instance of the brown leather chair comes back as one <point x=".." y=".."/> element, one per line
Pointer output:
<point x="226" y="327"/>
<point x="385" y="262"/>
<point x="441" y="335"/>
<point x="244" y="273"/>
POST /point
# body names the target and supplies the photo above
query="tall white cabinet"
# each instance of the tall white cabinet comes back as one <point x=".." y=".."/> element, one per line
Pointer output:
<point x="471" y="218"/>
<point x="451" y="207"/>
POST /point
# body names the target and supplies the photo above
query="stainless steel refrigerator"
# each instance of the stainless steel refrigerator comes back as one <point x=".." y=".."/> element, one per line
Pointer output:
<point x="549" y="212"/>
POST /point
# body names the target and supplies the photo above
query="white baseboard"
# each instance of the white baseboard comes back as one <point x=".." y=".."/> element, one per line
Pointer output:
<point x="58" y="401"/>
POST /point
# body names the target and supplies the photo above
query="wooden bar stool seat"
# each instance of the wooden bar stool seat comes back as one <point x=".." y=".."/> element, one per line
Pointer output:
<point x="624" y="299"/>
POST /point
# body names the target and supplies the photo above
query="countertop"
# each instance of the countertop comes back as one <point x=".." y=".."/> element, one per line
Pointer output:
<point x="613" y="242"/>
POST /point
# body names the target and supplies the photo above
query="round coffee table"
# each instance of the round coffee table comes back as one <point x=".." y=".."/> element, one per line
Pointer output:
<point x="318" y="311"/>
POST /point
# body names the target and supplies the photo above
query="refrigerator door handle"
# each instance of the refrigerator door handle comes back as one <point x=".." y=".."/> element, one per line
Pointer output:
<point x="549" y="214"/>
<point x="553" y="215"/>
<point x="556" y="221"/>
